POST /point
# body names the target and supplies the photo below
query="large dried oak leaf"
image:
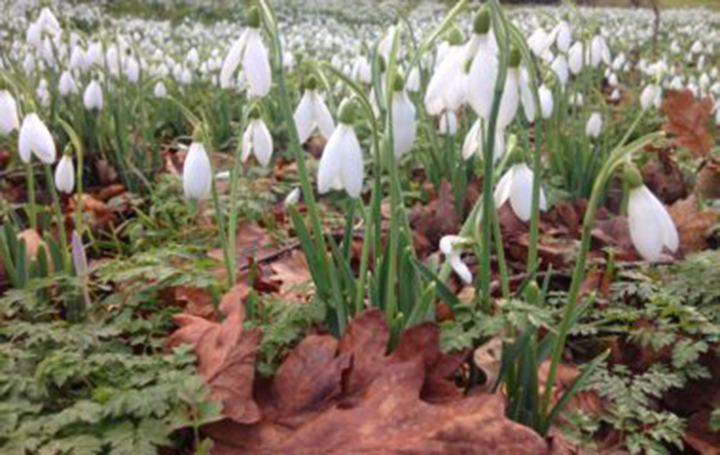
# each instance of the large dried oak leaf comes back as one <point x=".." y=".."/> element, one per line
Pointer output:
<point x="687" y="120"/>
<point x="226" y="355"/>
<point x="349" y="396"/>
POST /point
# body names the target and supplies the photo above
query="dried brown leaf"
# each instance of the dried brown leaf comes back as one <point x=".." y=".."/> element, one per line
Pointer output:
<point x="687" y="120"/>
<point x="226" y="354"/>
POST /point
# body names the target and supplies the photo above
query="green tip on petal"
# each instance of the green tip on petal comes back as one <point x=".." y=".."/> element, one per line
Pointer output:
<point x="311" y="83"/>
<point x="199" y="133"/>
<point x="632" y="176"/>
<point x="481" y="25"/>
<point x="532" y="292"/>
<point x="455" y="36"/>
<point x="346" y="114"/>
<point x="398" y="83"/>
<point x="515" y="57"/>
<point x="253" y="17"/>
<point x="254" y="112"/>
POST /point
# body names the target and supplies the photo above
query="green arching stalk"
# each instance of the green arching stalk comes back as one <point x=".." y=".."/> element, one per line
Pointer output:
<point x="229" y="256"/>
<point x="60" y="220"/>
<point x="377" y="188"/>
<point x="395" y="190"/>
<point x="233" y="220"/>
<point x="77" y="144"/>
<point x="502" y="264"/>
<point x="617" y="157"/>
<point x="529" y="58"/>
<point x="296" y="147"/>
<point x="488" y="201"/>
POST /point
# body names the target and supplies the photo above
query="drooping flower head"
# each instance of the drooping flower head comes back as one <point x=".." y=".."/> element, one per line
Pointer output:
<point x="516" y="186"/>
<point x="342" y="166"/>
<point x="65" y="175"/>
<point x="35" y="139"/>
<point x="312" y="114"/>
<point x="651" y="229"/>
<point x="250" y="52"/>
<point x="404" y="121"/>
<point x="257" y="139"/>
<point x="197" y="173"/>
<point x="9" y="120"/>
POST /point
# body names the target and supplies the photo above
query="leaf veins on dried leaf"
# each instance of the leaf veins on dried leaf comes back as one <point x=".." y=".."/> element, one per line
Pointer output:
<point x="226" y="354"/>
<point x="687" y="120"/>
<point x="349" y="396"/>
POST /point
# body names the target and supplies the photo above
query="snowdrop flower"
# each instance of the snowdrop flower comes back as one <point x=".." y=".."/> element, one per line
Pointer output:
<point x="93" y="96"/>
<point x="77" y="59"/>
<point x="547" y="103"/>
<point x="594" y="125"/>
<point x="564" y="36"/>
<point x="160" y="91"/>
<point x="560" y="67"/>
<point x="651" y="228"/>
<point x="65" y="175"/>
<point x="48" y="22"/>
<point x="413" y="80"/>
<point x="257" y="140"/>
<point x="361" y="70"/>
<point x="312" y="114"/>
<point x="67" y="84"/>
<point x="540" y="41"/>
<point x="516" y="186"/>
<point x="132" y="70"/>
<point x="613" y="80"/>
<point x="8" y="113"/>
<point x="575" y="58"/>
<point x="341" y="166"/>
<point x="651" y="96"/>
<point x="403" y="119"/>
<point x="35" y="138"/>
<point x="43" y="93"/>
<point x="474" y="144"/>
<point x="615" y="95"/>
<point x="599" y="51"/>
<point x="447" y="87"/>
<point x="93" y="56"/>
<point x="483" y="71"/>
<point x="250" y="52"/>
<point x="448" y="123"/>
<point x="197" y="173"/>
<point x="448" y="247"/>
<point x="386" y="43"/>
<point x="292" y="198"/>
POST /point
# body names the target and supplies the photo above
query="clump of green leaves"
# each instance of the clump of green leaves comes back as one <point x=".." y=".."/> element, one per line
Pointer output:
<point x="100" y="385"/>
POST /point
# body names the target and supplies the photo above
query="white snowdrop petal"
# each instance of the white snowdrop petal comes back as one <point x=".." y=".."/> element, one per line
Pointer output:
<point x="460" y="268"/>
<point x="352" y="170"/>
<point x="65" y="175"/>
<point x="304" y="119"/>
<point x="232" y="61"/>
<point x="404" y="123"/>
<point x="331" y="162"/>
<point x="256" y="66"/>
<point x="521" y="192"/>
<point x="197" y="173"/>
<point x="323" y="118"/>
<point x="262" y="142"/>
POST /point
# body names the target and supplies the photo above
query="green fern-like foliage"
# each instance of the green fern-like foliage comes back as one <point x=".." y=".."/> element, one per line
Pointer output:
<point x="103" y="384"/>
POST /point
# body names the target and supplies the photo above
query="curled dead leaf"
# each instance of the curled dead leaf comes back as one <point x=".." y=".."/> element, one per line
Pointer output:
<point x="226" y="354"/>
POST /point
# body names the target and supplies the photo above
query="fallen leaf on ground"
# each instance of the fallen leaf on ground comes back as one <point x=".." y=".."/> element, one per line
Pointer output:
<point x="687" y="120"/>
<point x="351" y="397"/>
<point x="226" y="354"/>
<point x="708" y="179"/>
<point x="694" y="227"/>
